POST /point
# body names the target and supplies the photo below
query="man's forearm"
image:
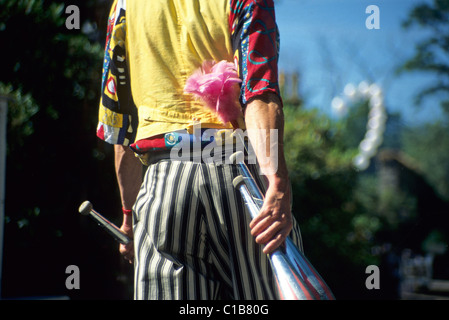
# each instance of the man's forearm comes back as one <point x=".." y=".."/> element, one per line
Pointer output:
<point x="129" y="175"/>
<point x="128" y="170"/>
<point x="264" y="119"/>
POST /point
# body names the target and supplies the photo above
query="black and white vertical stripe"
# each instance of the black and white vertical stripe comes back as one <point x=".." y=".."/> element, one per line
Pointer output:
<point x="192" y="239"/>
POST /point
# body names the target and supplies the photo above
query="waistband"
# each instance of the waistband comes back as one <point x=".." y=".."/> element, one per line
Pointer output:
<point x="207" y="155"/>
<point x="172" y="139"/>
<point x="205" y="146"/>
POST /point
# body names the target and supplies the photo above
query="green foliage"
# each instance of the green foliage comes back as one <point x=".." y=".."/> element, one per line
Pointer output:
<point x="52" y="76"/>
<point x="311" y="144"/>
<point x="431" y="54"/>
<point x="429" y="145"/>
<point x="436" y="242"/>
<point x="48" y="61"/>
<point x="335" y="214"/>
<point x="353" y="126"/>
<point x="396" y="207"/>
<point x="21" y="108"/>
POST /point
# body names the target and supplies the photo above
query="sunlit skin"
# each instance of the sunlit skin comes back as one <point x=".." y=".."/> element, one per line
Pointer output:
<point x="274" y="222"/>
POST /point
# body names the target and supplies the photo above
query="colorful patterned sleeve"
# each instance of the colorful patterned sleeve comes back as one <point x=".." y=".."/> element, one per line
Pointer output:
<point x="255" y="41"/>
<point x="117" y="113"/>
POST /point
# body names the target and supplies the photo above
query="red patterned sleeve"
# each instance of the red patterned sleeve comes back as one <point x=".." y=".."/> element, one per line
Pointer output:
<point x="255" y="41"/>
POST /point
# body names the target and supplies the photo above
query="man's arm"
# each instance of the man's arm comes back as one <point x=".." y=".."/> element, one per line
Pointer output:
<point x="128" y="170"/>
<point x="253" y="30"/>
<point x="274" y="222"/>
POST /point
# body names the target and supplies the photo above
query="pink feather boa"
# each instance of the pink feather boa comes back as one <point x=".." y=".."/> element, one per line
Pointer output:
<point x="215" y="84"/>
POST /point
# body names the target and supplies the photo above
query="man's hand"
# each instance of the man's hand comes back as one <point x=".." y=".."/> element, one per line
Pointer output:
<point x="127" y="250"/>
<point x="274" y="222"/>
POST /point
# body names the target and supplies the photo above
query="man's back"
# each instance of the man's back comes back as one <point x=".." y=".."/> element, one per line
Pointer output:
<point x="166" y="41"/>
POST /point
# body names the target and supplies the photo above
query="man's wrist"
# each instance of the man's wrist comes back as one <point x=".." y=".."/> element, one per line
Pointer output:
<point x="127" y="212"/>
<point x="127" y="217"/>
<point x="278" y="183"/>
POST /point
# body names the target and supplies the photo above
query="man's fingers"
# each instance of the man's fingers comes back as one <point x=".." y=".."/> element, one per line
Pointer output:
<point x="259" y="225"/>
<point x="272" y="232"/>
<point x="127" y="251"/>
<point x="275" y="243"/>
<point x="269" y="220"/>
<point x="269" y="233"/>
<point x="274" y="222"/>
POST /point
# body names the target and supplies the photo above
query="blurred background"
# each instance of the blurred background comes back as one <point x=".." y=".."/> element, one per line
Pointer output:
<point x="367" y="138"/>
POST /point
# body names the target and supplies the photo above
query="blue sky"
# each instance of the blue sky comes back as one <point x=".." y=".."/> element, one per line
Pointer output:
<point x="328" y="43"/>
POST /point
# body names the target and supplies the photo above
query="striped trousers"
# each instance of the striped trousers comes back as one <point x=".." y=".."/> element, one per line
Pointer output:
<point x="192" y="239"/>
